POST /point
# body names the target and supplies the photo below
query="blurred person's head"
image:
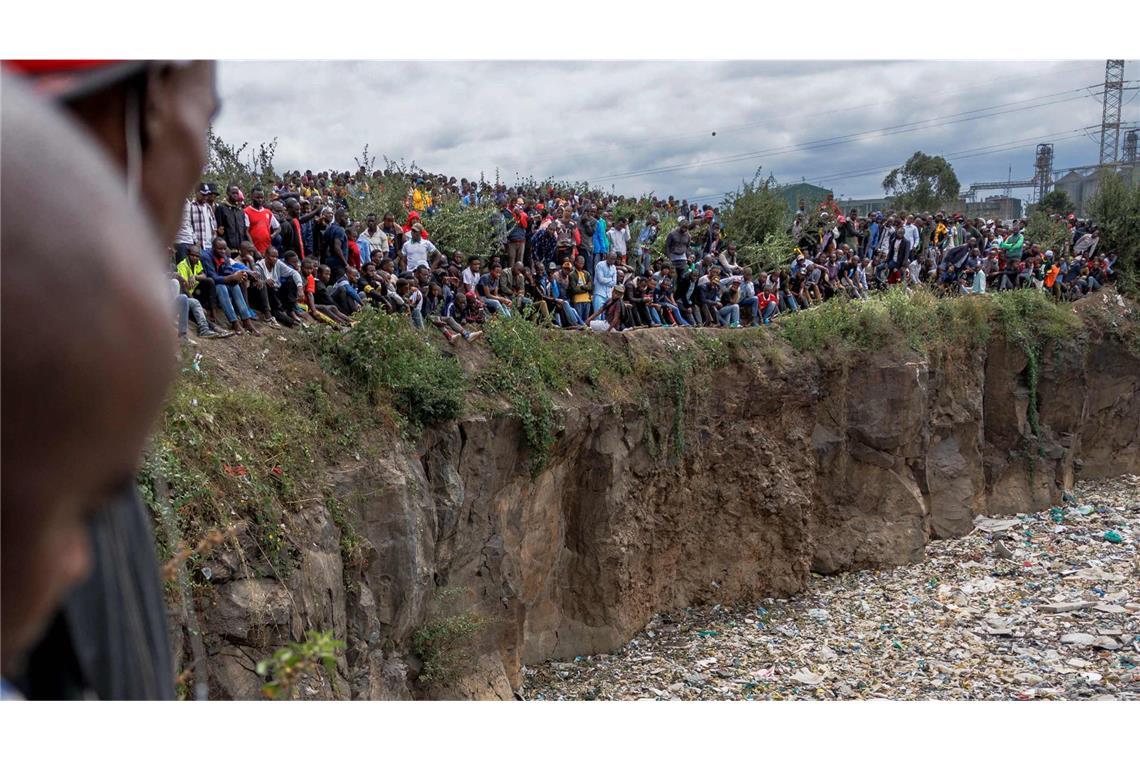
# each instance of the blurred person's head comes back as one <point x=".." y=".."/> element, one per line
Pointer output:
<point x="68" y="452"/>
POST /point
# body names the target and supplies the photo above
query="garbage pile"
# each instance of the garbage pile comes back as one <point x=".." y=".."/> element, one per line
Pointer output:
<point x="1032" y="606"/>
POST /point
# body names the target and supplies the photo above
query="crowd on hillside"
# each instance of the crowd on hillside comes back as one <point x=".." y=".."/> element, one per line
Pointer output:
<point x="293" y="253"/>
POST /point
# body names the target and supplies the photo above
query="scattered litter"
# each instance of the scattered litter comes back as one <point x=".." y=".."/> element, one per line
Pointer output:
<point x="805" y="676"/>
<point x="992" y="525"/>
<point x="1062" y="622"/>
<point x="1112" y="537"/>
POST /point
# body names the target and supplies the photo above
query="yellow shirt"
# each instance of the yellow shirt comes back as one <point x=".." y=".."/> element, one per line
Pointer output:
<point x="421" y="199"/>
<point x="580" y="281"/>
<point x="188" y="273"/>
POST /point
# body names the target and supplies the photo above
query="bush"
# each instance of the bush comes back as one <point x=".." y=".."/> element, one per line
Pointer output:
<point x="1116" y="211"/>
<point x="755" y="212"/>
<point x="399" y="364"/>
<point x="471" y="231"/>
<point x="444" y="645"/>
<point x="776" y="252"/>
<point x="225" y="165"/>
<point x="532" y="363"/>
<point x="1049" y="234"/>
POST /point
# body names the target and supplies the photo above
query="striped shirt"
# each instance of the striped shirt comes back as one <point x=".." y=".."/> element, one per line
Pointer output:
<point x="198" y="225"/>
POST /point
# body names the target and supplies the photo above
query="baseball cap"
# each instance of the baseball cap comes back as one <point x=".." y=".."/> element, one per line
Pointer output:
<point x="71" y="79"/>
<point x="204" y="188"/>
<point x="418" y="227"/>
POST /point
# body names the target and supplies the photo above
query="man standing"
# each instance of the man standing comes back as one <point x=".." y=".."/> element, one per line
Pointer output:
<point x="677" y="250"/>
<point x="232" y="223"/>
<point x="336" y="246"/>
<point x="588" y="225"/>
<point x="910" y="231"/>
<point x="263" y="225"/>
<point x="1014" y="244"/>
<point x="417" y="251"/>
<point x="605" y="277"/>
<point x="198" y="223"/>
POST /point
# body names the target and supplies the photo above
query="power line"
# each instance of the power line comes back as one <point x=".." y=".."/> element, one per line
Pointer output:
<point x="975" y="152"/>
<point x="989" y="84"/>
<point x="903" y="128"/>
<point x="879" y="104"/>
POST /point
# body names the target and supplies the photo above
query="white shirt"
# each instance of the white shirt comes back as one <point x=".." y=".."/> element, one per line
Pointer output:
<point x="417" y="253"/>
<point x="910" y="232"/>
<point x="280" y="270"/>
<point x="471" y="279"/>
<point x="619" y="240"/>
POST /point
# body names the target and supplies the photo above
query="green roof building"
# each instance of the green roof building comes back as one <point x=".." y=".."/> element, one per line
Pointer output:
<point x="811" y="195"/>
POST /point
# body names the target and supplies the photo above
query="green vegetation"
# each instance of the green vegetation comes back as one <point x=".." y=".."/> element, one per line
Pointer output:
<point x="1031" y="320"/>
<point x="1049" y="234"/>
<point x="226" y="165"/>
<point x="531" y="364"/>
<point x="296" y="659"/>
<point x="923" y="320"/>
<point x="1055" y="202"/>
<point x="401" y="366"/>
<point x="229" y="454"/>
<point x="752" y="215"/>
<point x="471" y="231"/>
<point x="772" y="254"/>
<point x="923" y="183"/>
<point x="1116" y="211"/>
<point x="445" y="645"/>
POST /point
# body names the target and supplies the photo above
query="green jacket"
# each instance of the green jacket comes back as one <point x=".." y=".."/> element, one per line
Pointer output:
<point x="1013" y="245"/>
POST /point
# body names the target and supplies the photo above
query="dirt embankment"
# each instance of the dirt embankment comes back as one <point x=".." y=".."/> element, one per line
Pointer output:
<point x="779" y="465"/>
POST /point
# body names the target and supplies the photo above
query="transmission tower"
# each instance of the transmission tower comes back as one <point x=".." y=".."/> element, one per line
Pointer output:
<point x="1110" y="115"/>
<point x="1043" y="170"/>
<point x="1128" y="155"/>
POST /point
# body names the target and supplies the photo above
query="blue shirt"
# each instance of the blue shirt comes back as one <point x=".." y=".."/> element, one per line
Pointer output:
<point x="335" y="232"/>
<point x="605" y="277"/>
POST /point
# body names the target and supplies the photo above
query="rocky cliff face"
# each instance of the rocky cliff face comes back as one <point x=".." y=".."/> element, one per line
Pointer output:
<point x="787" y="465"/>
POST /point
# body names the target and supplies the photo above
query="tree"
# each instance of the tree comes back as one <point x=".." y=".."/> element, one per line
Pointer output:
<point x="922" y="183"/>
<point x="755" y="212"/>
<point x="1056" y="202"/>
<point x="1050" y="234"/>
<point x="1115" y="209"/>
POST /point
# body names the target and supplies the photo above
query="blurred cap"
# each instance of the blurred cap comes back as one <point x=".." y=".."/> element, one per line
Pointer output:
<point x="71" y="79"/>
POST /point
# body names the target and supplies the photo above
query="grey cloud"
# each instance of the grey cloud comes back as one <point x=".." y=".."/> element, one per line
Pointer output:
<point x="584" y="119"/>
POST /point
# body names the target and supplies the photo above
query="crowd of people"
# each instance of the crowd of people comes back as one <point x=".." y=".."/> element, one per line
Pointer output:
<point x="293" y="254"/>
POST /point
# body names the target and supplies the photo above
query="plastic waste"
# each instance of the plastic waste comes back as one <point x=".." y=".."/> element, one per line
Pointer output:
<point x="1112" y="537"/>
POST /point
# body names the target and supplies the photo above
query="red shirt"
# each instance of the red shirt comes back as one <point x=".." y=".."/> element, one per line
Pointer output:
<point x="259" y="221"/>
<point x="353" y="255"/>
<point x="300" y="238"/>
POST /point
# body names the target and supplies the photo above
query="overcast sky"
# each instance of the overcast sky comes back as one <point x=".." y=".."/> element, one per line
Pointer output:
<point x="591" y="120"/>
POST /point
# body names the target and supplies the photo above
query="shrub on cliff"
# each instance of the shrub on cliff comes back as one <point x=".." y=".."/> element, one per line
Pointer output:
<point x="399" y="364"/>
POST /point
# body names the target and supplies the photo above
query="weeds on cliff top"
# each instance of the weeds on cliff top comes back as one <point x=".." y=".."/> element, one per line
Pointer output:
<point x="531" y="364"/>
<point x="923" y="320"/>
<point x="227" y="455"/>
<point x="399" y="364"/>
